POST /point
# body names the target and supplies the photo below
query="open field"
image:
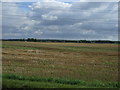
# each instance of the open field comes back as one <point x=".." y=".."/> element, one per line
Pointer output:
<point x="76" y="65"/>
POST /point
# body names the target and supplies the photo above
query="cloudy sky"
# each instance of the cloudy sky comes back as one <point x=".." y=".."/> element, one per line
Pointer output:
<point x="54" y="19"/>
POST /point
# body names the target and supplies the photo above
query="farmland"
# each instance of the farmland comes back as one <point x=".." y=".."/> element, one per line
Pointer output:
<point x="58" y="65"/>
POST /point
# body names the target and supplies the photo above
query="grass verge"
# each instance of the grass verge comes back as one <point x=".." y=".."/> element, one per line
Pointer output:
<point x="17" y="81"/>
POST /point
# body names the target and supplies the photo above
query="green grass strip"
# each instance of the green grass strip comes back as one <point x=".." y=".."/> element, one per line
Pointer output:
<point x="62" y="81"/>
<point x="78" y="48"/>
<point x="9" y="83"/>
<point x="18" y="47"/>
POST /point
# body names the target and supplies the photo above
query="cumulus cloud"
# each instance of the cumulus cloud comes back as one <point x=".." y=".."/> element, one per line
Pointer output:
<point x="19" y="0"/>
<point x="99" y="0"/>
<point x="15" y="22"/>
<point x="0" y="20"/>
<point x="59" y="20"/>
<point x="48" y="17"/>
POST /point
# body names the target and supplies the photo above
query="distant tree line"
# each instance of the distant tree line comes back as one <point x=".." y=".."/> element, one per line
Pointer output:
<point x="66" y="41"/>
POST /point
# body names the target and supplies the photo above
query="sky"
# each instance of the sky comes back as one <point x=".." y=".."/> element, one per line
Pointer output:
<point x="55" y="19"/>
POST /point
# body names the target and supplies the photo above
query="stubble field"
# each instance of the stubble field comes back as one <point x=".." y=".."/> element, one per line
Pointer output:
<point x="52" y="65"/>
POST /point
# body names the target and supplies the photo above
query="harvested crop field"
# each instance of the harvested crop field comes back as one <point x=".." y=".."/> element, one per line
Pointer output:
<point x="88" y="62"/>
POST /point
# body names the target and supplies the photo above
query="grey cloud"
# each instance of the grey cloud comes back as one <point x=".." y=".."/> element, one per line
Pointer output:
<point x="60" y="20"/>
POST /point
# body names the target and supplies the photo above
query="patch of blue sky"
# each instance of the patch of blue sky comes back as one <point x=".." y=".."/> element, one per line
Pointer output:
<point x="69" y="1"/>
<point x="19" y="0"/>
<point x="24" y="6"/>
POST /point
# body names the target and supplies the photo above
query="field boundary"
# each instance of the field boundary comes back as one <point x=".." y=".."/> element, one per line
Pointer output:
<point x="66" y="81"/>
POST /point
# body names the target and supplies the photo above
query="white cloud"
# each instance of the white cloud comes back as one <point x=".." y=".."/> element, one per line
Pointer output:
<point x="47" y="17"/>
<point x="61" y="20"/>
<point x="14" y="21"/>
<point x="19" y="0"/>
<point x="38" y="32"/>
<point x="99" y="0"/>
<point x="47" y="4"/>
<point x="86" y="32"/>
<point x="0" y="20"/>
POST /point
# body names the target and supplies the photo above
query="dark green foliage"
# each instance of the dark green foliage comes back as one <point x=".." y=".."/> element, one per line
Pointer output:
<point x="62" y="81"/>
<point x="66" y="41"/>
